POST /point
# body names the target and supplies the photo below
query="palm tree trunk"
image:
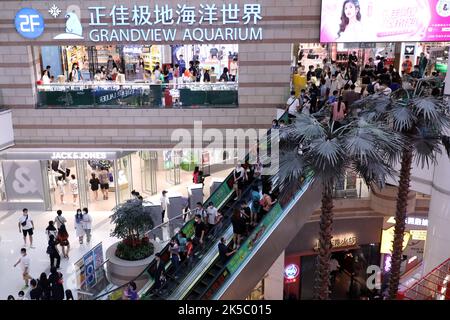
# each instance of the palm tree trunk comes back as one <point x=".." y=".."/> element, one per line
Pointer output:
<point x="400" y="216"/>
<point x="322" y="277"/>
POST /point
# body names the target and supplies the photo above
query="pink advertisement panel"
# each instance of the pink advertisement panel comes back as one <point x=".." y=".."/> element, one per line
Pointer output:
<point x="385" y="20"/>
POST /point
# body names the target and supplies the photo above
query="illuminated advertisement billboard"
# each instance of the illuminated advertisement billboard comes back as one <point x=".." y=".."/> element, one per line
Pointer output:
<point x="385" y="21"/>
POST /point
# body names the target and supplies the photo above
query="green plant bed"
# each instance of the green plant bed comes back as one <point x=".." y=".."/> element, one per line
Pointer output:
<point x="139" y="251"/>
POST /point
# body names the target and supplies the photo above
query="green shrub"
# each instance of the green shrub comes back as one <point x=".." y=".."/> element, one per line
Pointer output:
<point x="132" y="253"/>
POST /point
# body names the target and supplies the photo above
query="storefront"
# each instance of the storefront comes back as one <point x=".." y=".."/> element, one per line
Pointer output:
<point x="42" y="179"/>
<point x="356" y="245"/>
<point x="413" y="243"/>
<point x="126" y="76"/>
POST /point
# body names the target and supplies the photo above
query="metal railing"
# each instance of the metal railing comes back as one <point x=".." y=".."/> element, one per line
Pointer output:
<point x="433" y="286"/>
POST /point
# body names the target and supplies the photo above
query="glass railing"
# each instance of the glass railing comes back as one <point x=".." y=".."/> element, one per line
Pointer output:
<point x="90" y="94"/>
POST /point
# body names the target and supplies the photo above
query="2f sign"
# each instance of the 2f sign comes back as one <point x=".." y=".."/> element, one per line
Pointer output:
<point x="29" y="23"/>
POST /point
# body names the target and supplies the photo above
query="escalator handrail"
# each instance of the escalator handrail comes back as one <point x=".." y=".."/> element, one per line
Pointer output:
<point x="153" y="262"/>
<point x="308" y="182"/>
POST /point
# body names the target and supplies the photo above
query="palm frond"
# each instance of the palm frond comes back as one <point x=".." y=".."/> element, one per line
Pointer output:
<point x="426" y="145"/>
<point x="431" y="109"/>
<point x="307" y="128"/>
<point x="446" y="143"/>
<point x="402" y="117"/>
<point x="290" y="170"/>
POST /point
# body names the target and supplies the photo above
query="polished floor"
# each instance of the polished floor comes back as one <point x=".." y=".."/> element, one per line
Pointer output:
<point x="11" y="241"/>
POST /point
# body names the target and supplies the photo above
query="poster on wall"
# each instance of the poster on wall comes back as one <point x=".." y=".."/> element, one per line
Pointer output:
<point x="23" y="180"/>
<point x="383" y="20"/>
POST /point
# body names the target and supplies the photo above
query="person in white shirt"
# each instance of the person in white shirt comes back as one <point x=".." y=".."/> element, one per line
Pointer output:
<point x="87" y="224"/>
<point x="74" y="188"/>
<point x="164" y="204"/>
<point x="211" y="213"/>
<point x="79" y="226"/>
<point x="233" y="69"/>
<point x="26" y="226"/>
<point x="340" y="79"/>
<point x="61" y="190"/>
<point x="59" y="220"/>
<point x="292" y="104"/>
<point x="24" y="262"/>
<point x="239" y="177"/>
<point x="45" y="78"/>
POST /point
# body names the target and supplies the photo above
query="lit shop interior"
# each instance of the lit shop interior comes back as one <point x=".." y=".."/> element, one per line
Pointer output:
<point x="148" y="172"/>
<point x="129" y="77"/>
<point x="312" y="54"/>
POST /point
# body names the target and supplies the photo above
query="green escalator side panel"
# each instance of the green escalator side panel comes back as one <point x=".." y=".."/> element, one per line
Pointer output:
<point x="220" y="194"/>
<point x="247" y="247"/>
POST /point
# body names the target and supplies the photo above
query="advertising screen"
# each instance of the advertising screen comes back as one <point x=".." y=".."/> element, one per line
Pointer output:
<point x="385" y="21"/>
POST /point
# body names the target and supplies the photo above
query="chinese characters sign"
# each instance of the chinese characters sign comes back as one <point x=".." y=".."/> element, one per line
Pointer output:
<point x="340" y="241"/>
<point x="203" y="22"/>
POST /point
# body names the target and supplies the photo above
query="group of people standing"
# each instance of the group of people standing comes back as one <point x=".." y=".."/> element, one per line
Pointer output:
<point x="57" y="236"/>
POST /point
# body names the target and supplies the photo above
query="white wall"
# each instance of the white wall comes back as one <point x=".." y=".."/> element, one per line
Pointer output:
<point x="274" y="281"/>
<point x="6" y="129"/>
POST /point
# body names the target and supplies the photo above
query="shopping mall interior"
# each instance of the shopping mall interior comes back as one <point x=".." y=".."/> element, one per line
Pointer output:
<point x="310" y="162"/>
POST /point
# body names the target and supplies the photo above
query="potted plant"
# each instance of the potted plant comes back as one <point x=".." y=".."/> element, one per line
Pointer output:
<point x="129" y="257"/>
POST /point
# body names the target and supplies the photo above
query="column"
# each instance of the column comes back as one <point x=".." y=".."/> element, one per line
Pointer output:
<point x="447" y="77"/>
<point x="274" y="281"/>
<point x="437" y="247"/>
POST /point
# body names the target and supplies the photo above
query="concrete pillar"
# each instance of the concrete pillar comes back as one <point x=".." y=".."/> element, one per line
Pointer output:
<point x="274" y="281"/>
<point x="437" y="247"/>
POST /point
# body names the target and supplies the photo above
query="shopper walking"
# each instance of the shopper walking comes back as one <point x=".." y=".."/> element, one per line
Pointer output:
<point x="63" y="240"/>
<point x="56" y="284"/>
<point x="53" y="252"/>
<point x="164" y="204"/>
<point x="51" y="230"/>
<point x="61" y="190"/>
<point x="104" y="182"/>
<point x="26" y="227"/>
<point x="79" y="226"/>
<point x="24" y="262"/>
<point x="87" y="224"/>
<point x="94" y="183"/>
<point x="174" y="251"/>
<point x="59" y="220"/>
<point x="74" y="188"/>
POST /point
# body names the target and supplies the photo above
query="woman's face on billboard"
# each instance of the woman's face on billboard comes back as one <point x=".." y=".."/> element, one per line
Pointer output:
<point x="350" y="10"/>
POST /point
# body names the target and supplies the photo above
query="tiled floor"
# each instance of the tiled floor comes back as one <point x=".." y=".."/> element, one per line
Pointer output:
<point x="11" y="241"/>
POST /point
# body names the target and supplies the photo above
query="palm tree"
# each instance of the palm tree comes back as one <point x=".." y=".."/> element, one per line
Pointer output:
<point x="422" y="119"/>
<point x="328" y="150"/>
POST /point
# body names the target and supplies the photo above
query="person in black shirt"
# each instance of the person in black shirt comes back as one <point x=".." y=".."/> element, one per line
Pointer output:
<point x="35" y="292"/>
<point x="224" y="76"/>
<point x="310" y="73"/>
<point x="44" y="285"/>
<point x="238" y="228"/>
<point x="200" y="230"/>
<point x="53" y="252"/>
<point x="224" y="252"/>
<point x="206" y="77"/>
<point x="94" y="182"/>
<point x="246" y="213"/>
<point x="56" y="284"/>
<point x="159" y="270"/>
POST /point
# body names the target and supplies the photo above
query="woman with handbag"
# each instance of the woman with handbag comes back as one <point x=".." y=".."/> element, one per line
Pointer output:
<point x="63" y="239"/>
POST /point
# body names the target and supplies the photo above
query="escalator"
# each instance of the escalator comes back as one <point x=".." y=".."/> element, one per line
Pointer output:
<point x="208" y="277"/>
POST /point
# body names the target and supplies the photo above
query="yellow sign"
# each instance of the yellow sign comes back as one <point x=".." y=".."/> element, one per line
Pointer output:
<point x="419" y="234"/>
<point x="388" y="237"/>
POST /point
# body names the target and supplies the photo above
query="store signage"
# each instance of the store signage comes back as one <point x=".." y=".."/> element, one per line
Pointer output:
<point x="78" y="155"/>
<point x="29" y="23"/>
<point x="409" y="50"/>
<point x="387" y="239"/>
<point x="291" y="273"/>
<point x="377" y="21"/>
<point x="156" y="24"/>
<point x="418" y="234"/>
<point x="341" y="241"/>
<point x="412" y="221"/>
